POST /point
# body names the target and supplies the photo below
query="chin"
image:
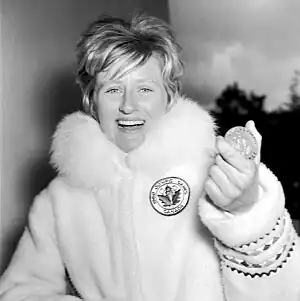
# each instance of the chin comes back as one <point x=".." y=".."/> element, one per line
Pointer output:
<point x="129" y="146"/>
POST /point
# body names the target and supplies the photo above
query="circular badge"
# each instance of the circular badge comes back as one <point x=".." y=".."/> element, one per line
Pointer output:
<point x="169" y="196"/>
<point x="242" y="140"/>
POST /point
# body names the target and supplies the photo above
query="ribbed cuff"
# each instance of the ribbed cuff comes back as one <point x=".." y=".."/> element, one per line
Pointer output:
<point x="263" y="256"/>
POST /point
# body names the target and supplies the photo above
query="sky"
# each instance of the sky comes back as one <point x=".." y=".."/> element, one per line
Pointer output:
<point x="253" y="42"/>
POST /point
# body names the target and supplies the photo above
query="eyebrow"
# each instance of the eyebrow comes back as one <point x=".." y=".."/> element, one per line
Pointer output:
<point x="101" y="84"/>
<point x="142" y="80"/>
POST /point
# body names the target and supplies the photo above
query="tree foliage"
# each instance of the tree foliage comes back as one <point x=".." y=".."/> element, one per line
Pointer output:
<point x="294" y="103"/>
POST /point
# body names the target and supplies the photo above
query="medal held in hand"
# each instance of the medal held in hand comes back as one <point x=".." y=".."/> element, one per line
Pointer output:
<point x="242" y="140"/>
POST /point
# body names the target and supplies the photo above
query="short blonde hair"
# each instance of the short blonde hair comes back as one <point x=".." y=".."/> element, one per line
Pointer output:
<point x="110" y="39"/>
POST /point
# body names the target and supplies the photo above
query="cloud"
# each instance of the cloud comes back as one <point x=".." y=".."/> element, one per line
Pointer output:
<point x="252" y="42"/>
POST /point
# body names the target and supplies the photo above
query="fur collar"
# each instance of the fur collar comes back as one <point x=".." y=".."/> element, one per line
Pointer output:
<point x="82" y="153"/>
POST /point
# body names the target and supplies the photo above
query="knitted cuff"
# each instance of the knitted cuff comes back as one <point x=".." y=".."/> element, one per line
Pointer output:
<point x="263" y="256"/>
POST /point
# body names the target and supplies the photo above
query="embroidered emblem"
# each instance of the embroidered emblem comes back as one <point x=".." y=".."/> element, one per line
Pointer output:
<point x="169" y="196"/>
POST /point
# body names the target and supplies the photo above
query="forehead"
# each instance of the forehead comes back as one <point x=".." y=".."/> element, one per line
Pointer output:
<point x="150" y="70"/>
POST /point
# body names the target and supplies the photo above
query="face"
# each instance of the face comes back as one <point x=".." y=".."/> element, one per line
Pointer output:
<point x="130" y="106"/>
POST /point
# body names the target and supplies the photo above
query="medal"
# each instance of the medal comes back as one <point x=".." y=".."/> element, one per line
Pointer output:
<point x="242" y="140"/>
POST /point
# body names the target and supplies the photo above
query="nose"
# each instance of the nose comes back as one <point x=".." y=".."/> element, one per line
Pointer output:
<point x="128" y="104"/>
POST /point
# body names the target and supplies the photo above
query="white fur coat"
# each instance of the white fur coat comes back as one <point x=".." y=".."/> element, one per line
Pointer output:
<point x="95" y="220"/>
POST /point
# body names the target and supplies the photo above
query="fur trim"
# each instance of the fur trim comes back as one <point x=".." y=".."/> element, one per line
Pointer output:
<point x="80" y="150"/>
<point x="181" y="143"/>
<point x="185" y="136"/>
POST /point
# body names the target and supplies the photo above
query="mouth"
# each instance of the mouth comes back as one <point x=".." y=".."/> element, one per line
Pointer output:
<point x="130" y="125"/>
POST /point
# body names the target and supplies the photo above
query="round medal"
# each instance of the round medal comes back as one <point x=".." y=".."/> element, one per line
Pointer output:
<point x="169" y="196"/>
<point x="242" y="140"/>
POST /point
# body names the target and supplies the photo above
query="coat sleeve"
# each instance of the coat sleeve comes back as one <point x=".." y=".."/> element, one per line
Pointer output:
<point x="36" y="271"/>
<point x="259" y="250"/>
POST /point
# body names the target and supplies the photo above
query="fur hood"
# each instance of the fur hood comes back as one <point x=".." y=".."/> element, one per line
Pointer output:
<point x="82" y="153"/>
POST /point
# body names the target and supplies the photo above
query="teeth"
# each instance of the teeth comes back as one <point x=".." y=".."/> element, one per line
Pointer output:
<point x="130" y="122"/>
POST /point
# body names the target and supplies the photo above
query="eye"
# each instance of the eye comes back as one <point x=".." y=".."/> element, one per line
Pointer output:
<point x="146" y="90"/>
<point x="113" y="90"/>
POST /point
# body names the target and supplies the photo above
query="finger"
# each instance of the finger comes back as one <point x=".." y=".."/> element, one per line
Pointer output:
<point x="226" y="186"/>
<point x="239" y="179"/>
<point x="250" y="125"/>
<point x="231" y="155"/>
<point x="215" y="194"/>
<point x="231" y="173"/>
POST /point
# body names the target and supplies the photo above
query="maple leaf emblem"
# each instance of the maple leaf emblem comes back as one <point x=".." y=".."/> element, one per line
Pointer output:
<point x="169" y="197"/>
<point x="176" y="198"/>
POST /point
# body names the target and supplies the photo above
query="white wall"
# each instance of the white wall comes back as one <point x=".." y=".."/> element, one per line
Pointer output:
<point x="37" y="89"/>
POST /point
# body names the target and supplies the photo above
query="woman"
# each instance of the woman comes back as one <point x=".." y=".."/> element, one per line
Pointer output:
<point x="121" y="220"/>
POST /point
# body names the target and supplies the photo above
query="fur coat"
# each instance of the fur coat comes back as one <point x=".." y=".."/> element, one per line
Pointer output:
<point x="96" y="225"/>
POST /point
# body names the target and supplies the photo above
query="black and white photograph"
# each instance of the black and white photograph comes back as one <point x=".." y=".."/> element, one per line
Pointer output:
<point x="150" y="150"/>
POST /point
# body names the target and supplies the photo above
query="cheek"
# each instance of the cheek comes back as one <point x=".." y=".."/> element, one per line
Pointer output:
<point x="158" y="106"/>
<point x="105" y="107"/>
<point x="106" y="115"/>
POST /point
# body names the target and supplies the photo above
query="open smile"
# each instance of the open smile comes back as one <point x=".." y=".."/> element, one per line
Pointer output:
<point x="130" y="125"/>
